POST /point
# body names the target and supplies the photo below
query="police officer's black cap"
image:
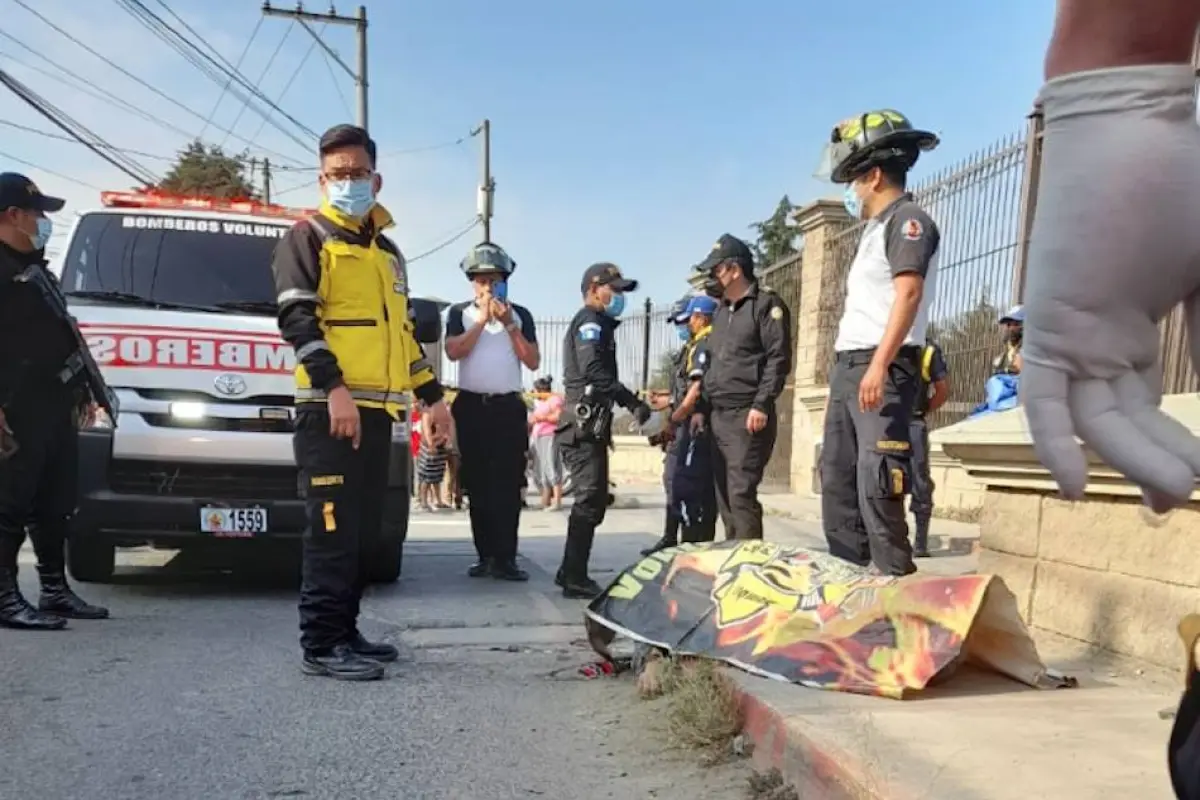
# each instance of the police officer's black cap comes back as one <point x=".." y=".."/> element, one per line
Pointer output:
<point x="17" y="191"/>
<point x="729" y="248"/>
<point x="606" y="274"/>
<point x="342" y="136"/>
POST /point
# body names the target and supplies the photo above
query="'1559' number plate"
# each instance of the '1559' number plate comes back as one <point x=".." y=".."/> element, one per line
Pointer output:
<point x="233" y="522"/>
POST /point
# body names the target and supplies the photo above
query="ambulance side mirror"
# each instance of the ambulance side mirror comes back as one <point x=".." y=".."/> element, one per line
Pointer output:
<point x="426" y="319"/>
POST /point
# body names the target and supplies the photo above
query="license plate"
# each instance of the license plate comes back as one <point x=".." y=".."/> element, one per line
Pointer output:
<point x="233" y="523"/>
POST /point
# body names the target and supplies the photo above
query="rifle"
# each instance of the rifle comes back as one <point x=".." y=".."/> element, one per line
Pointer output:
<point x="81" y="360"/>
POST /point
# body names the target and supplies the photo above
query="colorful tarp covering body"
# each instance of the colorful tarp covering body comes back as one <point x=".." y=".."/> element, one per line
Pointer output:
<point x="806" y="617"/>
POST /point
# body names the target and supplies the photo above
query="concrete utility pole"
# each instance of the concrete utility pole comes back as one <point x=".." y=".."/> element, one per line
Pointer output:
<point x="359" y="21"/>
<point x="487" y="185"/>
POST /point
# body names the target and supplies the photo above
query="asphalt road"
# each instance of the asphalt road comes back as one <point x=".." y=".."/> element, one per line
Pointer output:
<point x="193" y="689"/>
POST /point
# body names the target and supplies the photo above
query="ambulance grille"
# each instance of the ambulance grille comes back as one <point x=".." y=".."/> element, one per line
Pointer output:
<point x="204" y="481"/>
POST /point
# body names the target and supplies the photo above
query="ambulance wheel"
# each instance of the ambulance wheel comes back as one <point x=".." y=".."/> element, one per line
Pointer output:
<point x="387" y="561"/>
<point x="91" y="559"/>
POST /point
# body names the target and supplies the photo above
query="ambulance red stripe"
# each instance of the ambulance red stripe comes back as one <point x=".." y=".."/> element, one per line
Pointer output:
<point x="166" y="330"/>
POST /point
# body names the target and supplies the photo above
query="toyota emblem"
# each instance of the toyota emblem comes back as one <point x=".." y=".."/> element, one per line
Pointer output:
<point x="230" y="385"/>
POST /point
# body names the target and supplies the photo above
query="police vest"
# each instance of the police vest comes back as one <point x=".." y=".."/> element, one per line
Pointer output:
<point x="689" y="361"/>
<point x="364" y="315"/>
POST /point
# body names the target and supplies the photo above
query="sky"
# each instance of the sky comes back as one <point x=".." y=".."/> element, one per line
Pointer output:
<point x="632" y="132"/>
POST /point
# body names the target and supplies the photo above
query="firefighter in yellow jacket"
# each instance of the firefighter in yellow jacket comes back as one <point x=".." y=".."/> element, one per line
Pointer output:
<point x="343" y="306"/>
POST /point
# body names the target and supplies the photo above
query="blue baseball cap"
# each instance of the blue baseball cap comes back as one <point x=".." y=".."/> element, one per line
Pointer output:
<point x="677" y="314"/>
<point x="701" y="304"/>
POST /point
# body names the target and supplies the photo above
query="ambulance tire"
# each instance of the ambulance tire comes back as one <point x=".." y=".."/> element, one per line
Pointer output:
<point x="91" y="559"/>
<point x="387" y="560"/>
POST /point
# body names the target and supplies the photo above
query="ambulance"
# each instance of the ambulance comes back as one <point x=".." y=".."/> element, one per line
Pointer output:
<point x="175" y="297"/>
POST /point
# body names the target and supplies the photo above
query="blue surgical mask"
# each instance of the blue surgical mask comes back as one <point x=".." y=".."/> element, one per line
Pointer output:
<point x="615" y="305"/>
<point x="45" y="227"/>
<point x="354" y="198"/>
<point x="684" y="333"/>
<point x="852" y="201"/>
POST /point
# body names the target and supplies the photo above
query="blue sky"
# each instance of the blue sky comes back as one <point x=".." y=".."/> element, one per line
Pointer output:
<point x="635" y="132"/>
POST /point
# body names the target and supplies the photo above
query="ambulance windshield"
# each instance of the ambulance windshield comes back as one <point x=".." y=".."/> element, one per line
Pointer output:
<point x="175" y="260"/>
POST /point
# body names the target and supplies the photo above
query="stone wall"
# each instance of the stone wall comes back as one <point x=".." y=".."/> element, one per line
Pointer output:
<point x="1102" y="570"/>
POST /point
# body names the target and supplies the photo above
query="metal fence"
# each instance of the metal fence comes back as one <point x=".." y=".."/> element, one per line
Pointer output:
<point x="783" y="278"/>
<point x="646" y="343"/>
<point x="977" y="204"/>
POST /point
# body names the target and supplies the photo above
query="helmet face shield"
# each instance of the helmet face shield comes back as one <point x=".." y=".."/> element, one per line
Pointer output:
<point x="833" y="156"/>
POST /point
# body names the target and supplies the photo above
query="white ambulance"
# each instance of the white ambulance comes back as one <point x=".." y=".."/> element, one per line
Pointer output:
<point x="175" y="297"/>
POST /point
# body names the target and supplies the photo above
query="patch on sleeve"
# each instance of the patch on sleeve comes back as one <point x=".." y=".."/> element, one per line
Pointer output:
<point x="913" y="230"/>
<point x="776" y="313"/>
<point x="589" y="332"/>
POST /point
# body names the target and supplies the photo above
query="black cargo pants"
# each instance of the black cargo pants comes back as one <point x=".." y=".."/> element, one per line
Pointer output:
<point x="344" y="493"/>
<point x="739" y="460"/>
<point x="866" y="469"/>
<point x="921" y="504"/>
<point x="39" y="483"/>
<point x="672" y="520"/>
<point x="493" y="442"/>
<point x="585" y="458"/>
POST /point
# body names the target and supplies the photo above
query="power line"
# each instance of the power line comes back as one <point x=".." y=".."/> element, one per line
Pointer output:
<point x="474" y="222"/>
<point x="158" y="92"/>
<point x="85" y="184"/>
<point x="292" y="79"/>
<point x="333" y="77"/>
<point x="242" y="111"/>
<point x="238" y="65"/>
<point x="60" y="137"/>
<point x="223" y="66"/>
<point x="86" y="137"/>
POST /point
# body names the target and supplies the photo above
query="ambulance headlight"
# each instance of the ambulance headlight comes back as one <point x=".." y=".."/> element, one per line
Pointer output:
<point x="188" y="411"/>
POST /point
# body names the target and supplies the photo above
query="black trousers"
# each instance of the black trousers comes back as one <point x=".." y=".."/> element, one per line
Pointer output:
<point x="493" y="443"/>
<point x="921" y="503"/>
<point x="39" y="483"/>
<point x="586" y="460"/>
<point x="739" y="460"/>
<point x="866" y="468"/>
<point x="694" y="491"/>
<point x="345" y="491"/>
<point x="672" y="521"/>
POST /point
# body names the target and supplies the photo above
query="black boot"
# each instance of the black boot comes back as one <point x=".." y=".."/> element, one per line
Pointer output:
<point x="343" y="664"/>
<point x="58" y="599"/>
<point x="580" y="588"/>
<point x="921" y="538"/>
<point x="374" y="651"/>
<point x="480" y="569"/>
<point x="670" y="536"/>
<point x="507" y="570"/>
<point x="15" y="611"/>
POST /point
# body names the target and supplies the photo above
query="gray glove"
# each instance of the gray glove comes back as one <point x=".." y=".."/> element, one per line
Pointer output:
<point x="1107" y="262"/>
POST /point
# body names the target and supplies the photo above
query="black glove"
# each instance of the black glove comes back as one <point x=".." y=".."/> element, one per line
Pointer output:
<point x="641" y="412"/>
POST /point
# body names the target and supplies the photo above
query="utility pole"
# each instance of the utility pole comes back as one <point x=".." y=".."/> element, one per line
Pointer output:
<point x="266" y="180"/>
<point x="487" y="185"/>
<point x="359" y="21"/>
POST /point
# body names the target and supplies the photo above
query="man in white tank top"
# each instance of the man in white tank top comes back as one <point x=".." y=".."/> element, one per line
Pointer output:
<point x="866" y="469"/>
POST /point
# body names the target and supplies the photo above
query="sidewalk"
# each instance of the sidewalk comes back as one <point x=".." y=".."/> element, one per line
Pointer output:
<point x="981" y="736"/>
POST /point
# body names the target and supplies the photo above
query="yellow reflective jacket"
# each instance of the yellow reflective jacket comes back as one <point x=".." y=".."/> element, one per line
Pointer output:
<point x="343" y="299"/>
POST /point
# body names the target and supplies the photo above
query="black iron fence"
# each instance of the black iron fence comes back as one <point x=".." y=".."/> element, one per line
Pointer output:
<point x="783" y="278"/>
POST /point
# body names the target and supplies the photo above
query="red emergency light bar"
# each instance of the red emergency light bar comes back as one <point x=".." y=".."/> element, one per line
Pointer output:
<point x="191" y="203"/>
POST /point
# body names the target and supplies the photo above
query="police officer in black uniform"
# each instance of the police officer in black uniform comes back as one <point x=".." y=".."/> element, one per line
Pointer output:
<point x="40" y="397"/>
<point x="933" y="388"/>
<point x="866" y="469"/>
<point x="591" y="387"/>
<point x="751" y="344"/>
<point x="667" y="437"/>
<point x="693" y="487"/>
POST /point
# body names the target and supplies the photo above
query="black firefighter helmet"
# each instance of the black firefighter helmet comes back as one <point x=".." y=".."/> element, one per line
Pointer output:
<point x="869" y="140"/>
<point x="485" y="258"/>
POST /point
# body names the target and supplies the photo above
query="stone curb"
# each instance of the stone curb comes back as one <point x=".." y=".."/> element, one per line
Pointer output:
<point x="813" y="768"/>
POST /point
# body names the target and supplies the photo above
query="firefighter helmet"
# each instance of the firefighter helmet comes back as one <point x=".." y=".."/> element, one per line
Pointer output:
<point x="869" y="140"/>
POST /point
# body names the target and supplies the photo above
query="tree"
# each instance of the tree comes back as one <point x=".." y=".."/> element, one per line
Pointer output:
<point x="209" y="171"/>
<point x="660" y="377"/>
<point x="776" y="235"/>
<point x="969" y="340"/>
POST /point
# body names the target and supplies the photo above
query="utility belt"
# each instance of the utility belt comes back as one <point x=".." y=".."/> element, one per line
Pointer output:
<point x="487" y="398"/>
<point x="909" y="354"/>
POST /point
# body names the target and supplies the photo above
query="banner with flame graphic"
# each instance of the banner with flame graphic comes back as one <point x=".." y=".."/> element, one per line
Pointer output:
<point x="809" y="618"/>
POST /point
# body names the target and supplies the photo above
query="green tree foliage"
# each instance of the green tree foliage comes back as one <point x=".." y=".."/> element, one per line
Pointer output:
<point x="776" y="235"/>
<point x="660" y="375"/>
<point x="208" y="171"/>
